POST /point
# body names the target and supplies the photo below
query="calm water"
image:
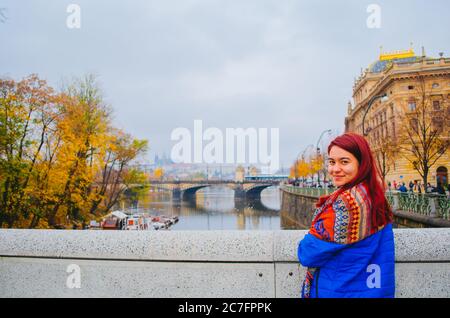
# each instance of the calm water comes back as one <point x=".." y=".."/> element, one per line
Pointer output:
<point x="215" y="209"/>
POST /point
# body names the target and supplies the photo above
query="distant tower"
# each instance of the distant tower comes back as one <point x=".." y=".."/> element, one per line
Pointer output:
<point x="164" y="159"/>
<point x="240" y="173"/>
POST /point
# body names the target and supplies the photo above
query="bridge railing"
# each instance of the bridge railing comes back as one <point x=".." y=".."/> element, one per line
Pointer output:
<point x="428" y="204"/>
<point x="311" y="192"/>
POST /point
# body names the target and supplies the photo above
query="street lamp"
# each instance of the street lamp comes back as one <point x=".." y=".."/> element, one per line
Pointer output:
<point x="367" y="110"/>
<point x="318" y="151"/>
<point x="303" y="152"/>
<point x="317" y="145"/>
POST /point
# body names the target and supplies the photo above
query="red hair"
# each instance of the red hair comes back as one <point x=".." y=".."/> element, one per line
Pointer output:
<point x="368" y="173"/>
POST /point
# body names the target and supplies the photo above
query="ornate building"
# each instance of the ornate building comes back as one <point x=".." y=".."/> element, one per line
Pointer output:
<point x="389" y="91"/>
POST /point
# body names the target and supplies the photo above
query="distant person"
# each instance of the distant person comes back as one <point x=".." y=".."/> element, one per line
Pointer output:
<point x="411" y="186"/>
<point x="389" y="185"/>
<point x="440" y="189"/>
<point x="351" y="232"/>
<point x="403" y="188"/>
<point x="395" y="185"/>
<point x="419" y="187"/>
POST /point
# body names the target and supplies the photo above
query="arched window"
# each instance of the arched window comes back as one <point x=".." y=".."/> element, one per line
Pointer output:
<point x="411" y="105"/>
<point x="442" y="176"/>
<point x="436" y="105"/>
<point x="438" y="124"/>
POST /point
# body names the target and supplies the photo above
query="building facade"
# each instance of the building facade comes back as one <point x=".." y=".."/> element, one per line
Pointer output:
<point x="385" y="96"/>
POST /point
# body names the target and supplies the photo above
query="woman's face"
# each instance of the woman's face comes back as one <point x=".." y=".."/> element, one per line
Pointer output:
<point x="342" y="166"/>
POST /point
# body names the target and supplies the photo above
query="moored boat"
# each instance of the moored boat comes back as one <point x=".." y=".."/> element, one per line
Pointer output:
<point x="119" y="220"/>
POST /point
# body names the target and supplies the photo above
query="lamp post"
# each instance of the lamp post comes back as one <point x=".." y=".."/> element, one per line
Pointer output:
<point x="318" y="151"/>
<point x="321" y="135"/>
<point x="367" y="110"/>
<point x="303" y="152"/>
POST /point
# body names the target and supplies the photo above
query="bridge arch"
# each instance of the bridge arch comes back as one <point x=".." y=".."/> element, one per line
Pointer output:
<point x="254" y="192"/>
<point x="189" y="193"/>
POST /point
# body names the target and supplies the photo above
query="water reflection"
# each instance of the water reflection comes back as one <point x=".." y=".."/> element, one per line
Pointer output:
<point x="215" y="208"/>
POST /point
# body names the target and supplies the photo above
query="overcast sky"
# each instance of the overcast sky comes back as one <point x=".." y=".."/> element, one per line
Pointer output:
<point x="283" y="64"/>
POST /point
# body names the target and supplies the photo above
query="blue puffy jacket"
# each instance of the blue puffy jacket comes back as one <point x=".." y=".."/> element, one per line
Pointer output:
<point x="362" y="269"/>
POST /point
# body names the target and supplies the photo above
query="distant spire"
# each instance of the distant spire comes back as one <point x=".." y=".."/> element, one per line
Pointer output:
<point x="423" y="51"/>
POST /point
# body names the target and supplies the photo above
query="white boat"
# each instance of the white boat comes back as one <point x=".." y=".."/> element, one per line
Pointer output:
<point x="139" y="222"/>
<point x="119" y="220"/>
<point x="159" y="225"/>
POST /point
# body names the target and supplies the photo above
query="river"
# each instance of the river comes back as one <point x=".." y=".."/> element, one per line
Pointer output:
<point x="215" y="209"/>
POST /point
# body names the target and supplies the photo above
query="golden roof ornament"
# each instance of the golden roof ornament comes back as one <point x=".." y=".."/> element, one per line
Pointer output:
<point x="396" y="54"/>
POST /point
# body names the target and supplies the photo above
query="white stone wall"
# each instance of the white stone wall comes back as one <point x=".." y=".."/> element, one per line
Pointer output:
<point x="34" y="263"/>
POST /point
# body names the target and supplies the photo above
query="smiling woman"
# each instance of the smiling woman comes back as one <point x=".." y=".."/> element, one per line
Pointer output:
<point x="350" y="242"/>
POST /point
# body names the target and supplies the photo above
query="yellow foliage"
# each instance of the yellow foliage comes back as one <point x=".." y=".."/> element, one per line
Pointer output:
<point x="158" y="173"/>
<point x="63" y="161"/>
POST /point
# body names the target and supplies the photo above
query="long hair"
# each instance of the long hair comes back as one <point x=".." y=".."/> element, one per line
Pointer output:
<point x="368" y="173"/>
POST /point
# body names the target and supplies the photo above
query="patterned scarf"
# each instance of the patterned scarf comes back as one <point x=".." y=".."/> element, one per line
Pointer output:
<point x="344" y="219"/>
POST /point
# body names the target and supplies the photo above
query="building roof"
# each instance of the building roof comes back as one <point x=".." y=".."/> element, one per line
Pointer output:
<point x="380" y="65"/>
<point x="396" y="55"/>
<point x="388" y="58"/>
<point x="119" y="214"/>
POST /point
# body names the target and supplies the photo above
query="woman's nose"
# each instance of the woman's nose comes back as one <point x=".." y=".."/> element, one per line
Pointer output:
<point x="335" y="169"/>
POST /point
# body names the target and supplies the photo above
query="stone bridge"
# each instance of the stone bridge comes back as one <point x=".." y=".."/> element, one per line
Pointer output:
<point x="186" y="189"/>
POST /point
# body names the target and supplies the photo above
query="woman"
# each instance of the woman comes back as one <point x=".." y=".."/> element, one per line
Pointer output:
<point x="349" y="250"/>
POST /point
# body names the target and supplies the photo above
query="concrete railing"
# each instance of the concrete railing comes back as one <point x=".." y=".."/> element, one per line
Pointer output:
<point x="54" y="263"/>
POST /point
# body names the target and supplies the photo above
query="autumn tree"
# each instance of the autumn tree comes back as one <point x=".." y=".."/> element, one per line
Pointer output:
<point x="158" y="173"/>
<point x="316" y="165"/>
<point x="302" y="169"/>
<point x="26" y="118"/>
<point x="116" y="176"/>
<point x="57" y="152"/>
<point x="82" y="125"/>
<point x="384" y="156"/>
<point x="423" y="137"/>
<point x="292" y="172"/>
